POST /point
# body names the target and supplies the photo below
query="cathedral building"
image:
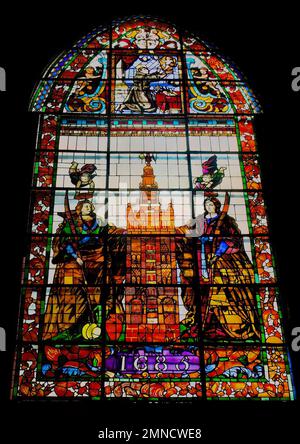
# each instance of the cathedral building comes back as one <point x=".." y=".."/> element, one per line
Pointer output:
<point x="152" y="311"/>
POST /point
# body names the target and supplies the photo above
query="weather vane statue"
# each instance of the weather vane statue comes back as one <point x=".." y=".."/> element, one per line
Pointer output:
<point x="148" y="157"/>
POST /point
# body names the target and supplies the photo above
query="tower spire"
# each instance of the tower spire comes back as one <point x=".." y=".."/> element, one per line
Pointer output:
<point x="148" y="184"/>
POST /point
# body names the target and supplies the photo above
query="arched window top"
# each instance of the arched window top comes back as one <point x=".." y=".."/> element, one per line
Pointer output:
<point x="102" y="69"/>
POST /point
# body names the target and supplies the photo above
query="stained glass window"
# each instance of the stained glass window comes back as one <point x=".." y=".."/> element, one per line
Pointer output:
<point x="149" y="272"/>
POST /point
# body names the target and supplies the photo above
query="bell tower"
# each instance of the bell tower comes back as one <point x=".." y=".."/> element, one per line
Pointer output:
<point x="152" y="311"/>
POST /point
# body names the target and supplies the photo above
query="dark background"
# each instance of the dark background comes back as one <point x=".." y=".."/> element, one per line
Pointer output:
<point x="264" y="44"/>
